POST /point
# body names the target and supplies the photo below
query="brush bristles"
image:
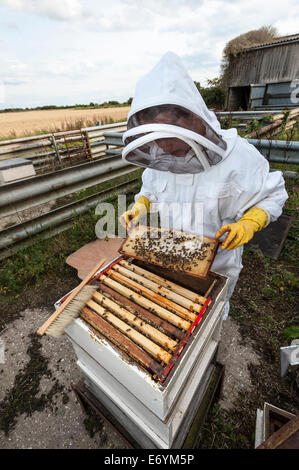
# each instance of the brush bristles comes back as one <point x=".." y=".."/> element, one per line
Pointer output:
<point x="70" y="312"/>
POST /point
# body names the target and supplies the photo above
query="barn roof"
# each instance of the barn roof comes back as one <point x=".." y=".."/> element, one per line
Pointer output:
<point x="275" y="42"/>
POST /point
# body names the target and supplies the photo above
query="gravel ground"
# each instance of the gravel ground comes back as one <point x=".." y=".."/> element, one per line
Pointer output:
<point x="41" y="370"/>
<point x="60" y="424"/>
<point x="236" y="355"/>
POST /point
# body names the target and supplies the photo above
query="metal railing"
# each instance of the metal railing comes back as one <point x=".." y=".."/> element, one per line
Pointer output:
<point x="35" y="192"/>
<point x="281" y="151"/>
<point x="51" y="152"/>
<point x="21" y="235"/>
<point x="26" y="194"/>
<point x="246" y="115"/>
<point x="104" y="163"/>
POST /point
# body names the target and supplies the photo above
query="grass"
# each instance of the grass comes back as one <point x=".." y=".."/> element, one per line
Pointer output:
<point x="63" y="126"/>
<point x="59" y="123"/>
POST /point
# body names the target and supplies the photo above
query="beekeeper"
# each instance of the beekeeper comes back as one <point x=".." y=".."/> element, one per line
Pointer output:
<point x="190" y="159"/>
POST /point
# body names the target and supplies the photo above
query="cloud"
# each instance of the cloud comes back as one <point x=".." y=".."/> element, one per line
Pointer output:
<point x="95" y="50"/>
<point x="54" y="9"/>
<point x="9" y="25"/>
<point x="198" y="61"/>
<point x="12" y="68"/>
<point x="14" y="82"/>
<point x="119" y="16"/>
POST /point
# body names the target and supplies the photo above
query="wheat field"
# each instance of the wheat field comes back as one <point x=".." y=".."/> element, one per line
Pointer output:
<point x="27" y="123"/>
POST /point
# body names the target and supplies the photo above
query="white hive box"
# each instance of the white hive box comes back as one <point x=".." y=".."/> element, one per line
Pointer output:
<point x="152" y="412"/>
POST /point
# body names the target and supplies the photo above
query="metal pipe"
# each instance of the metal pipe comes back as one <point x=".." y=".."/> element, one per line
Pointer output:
<point x="290" y="174"/>
<point x="111" y="141"/>
<point x="280" y="151"/>
<point x="11" y="250"/>
<point x="25" y="148"/>
<point x="92" y="129"/>
<point x="29" y="203"/>
<point x="275" y="144"/>
<point x="278" y="158"/>
<point x="32" y="227"/>
<point x="12" y="149"/>
<point x="113" y="134"/>
<point x="113" y="152"/>
<point x="264" y="143"/>
<point x="21" y="190"/>
<point x="247" y="113"/>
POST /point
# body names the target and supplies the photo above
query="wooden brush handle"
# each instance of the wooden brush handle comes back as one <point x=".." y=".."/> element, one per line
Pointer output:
<point x="57" y="312"/>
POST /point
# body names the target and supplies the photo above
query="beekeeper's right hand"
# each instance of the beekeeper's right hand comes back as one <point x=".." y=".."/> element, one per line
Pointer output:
<point x="140" y="209"/>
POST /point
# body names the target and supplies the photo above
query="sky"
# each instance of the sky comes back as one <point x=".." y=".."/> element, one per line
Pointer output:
<point x="65" y="52"/>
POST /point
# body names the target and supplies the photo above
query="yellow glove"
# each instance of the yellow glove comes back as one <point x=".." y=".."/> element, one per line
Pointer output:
<point x="242" y="231"/>
<point x="140" y="209"/>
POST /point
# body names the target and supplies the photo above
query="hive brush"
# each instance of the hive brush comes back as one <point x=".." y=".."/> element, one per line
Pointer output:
<point x="71" y="307"/>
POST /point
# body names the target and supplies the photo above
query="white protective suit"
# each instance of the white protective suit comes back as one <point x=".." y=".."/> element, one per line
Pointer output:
<point x="231" y="177"/>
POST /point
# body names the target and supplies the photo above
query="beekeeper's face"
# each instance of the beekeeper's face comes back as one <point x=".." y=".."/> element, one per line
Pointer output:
<point x="174" y="116"/>
<point x="171" y="138"/>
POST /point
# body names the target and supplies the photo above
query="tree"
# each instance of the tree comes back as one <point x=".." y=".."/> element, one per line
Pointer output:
<point x="213" y="95"/>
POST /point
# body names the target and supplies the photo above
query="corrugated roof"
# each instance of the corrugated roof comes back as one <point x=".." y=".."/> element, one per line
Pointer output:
<point x="278" y="41"/>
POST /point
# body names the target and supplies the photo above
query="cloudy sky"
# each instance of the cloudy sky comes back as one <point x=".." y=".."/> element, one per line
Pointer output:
<point x="77" y="51"/>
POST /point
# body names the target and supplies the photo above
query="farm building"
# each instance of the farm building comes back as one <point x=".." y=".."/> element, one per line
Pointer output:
<point x="265" y="76"/>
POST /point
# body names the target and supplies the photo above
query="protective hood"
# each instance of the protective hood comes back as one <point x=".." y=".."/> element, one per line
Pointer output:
<point x="168" y="91"/>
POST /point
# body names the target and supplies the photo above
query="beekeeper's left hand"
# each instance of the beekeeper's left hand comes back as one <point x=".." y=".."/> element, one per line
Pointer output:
<point x="243" y="231"/>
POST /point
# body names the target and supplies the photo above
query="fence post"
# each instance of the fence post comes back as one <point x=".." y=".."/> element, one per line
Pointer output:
<point x="56" y="149"/>
<point x="87" y="145"/>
